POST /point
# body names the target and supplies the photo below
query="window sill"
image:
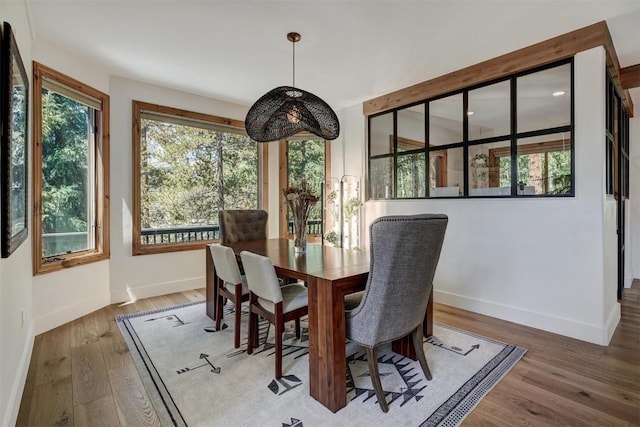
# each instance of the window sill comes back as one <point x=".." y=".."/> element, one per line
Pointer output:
<point x="67" y="261"/>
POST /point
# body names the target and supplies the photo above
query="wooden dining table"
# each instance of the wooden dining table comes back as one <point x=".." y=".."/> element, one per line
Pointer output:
<point x="330" y="273"/>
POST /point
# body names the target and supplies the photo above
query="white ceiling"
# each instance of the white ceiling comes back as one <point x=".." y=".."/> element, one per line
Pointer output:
<point x="350" y="51"/>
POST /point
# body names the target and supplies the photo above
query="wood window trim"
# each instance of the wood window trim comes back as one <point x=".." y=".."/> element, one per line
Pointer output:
<point x="523" y="149"/>
<point x="137" y="107"/>
<point x="542" y="53"/>
<point x="102" y="246"/>
<point x="441" y="179"/>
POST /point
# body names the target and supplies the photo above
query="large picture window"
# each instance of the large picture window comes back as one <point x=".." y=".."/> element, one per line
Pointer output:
<point x="186" y="167"/>
<point x="506" y="138"/>
<point x="71" y="172"/>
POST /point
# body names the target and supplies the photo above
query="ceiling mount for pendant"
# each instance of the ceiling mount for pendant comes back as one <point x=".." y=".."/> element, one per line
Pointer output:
<point x="294" y="37"/>
<point x="287" y="110"/>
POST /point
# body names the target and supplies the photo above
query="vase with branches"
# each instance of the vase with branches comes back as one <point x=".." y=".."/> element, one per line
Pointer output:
<point x="300" y="199"/>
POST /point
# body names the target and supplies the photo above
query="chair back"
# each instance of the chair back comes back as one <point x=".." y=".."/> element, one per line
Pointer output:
<point x="404" y="254"/>
<point x="224" y="261"/>
<point x="261" y="276"/>
<point x="239" y="225"/>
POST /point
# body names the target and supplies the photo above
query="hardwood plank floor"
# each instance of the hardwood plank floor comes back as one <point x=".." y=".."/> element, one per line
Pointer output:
<point x="81" y="373"/>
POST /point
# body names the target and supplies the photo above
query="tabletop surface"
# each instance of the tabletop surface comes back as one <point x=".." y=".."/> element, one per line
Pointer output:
<point x="326" y="262"/>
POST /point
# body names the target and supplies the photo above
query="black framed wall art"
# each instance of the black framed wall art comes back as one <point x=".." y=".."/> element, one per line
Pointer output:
<point x="14" y="108"/>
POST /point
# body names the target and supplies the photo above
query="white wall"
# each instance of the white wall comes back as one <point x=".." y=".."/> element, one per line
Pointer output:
<point x="147" y="275"/>
<point x="547" y="263"/>
<point x="62" y="296"/>
<point x="16" y="286"/>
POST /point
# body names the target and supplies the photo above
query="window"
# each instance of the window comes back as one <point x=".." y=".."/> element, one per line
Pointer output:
<point x="616" y="144"/>
<point x="511" y="137"/>
<point x="186" y="167"/>
<point x="71" y="172"/>
<point x="410" y="144"/>
<point x="309" y="160"/>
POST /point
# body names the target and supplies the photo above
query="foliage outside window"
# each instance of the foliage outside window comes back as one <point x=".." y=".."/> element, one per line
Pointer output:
<point x="71" y="172"/>
<point x="306" y="161"/>
<point x="187" y="167"/>
<point x="512" y="137"/>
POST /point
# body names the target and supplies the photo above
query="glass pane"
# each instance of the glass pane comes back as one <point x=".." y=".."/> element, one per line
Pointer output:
<point x="305" y="161"/>
<point x="411" y="128"/>
<point x="187" y="174"/>
<point x="239" y="170"/>
<point x="381" y="178"/>
<point x="544" y="165"/>
<point x="445" y="172"/>
<point x="18" y="135"/>
<point x="445" y="120"/>
<point x="489" y="174"/>
<point x="489" y="111"/>
<point x="411" y="175"/>
<point x="544" y="99"/>
<point x="67" y="208"/>
<point x="381" y="134"/>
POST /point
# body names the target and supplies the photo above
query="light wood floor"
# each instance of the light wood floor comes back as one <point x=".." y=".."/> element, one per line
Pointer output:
<point x="82" y="374"/>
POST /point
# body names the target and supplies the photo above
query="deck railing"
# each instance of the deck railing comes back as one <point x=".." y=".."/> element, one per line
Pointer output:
<point x="314" y="226"/>
<point x="155" y="236"/>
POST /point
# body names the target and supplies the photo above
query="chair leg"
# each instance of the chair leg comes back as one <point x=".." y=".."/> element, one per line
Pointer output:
<point x="279" y="325"/>
<point x="252" y="331"/>
<point x="375" y="378"/>
<point x="256" y="328"/>
<point x="219" y="311"/>
<point x="238" y="313"/>
<point x="416" y="336"/>
<point x="298" y="334"/>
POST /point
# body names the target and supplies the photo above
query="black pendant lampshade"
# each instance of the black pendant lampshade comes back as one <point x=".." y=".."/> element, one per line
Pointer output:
<point x="286" y="110"/>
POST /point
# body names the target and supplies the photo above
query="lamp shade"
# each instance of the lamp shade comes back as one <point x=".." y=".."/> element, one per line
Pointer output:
<point x="285" y="111"/>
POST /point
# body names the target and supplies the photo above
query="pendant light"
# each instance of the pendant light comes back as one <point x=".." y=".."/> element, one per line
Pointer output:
<point x="287" y="110"/>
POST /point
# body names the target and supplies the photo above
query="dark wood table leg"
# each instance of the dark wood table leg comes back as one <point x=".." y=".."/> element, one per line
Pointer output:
<point x="210" y="285"/>
<point x="404" y="346"/>
<point x="327" y="353"/>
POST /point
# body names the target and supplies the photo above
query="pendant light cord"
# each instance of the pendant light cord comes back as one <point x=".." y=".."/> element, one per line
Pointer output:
<point x="294" y="63"/>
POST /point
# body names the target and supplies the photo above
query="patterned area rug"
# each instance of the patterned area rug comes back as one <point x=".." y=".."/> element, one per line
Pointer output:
<point x="195" y="377"/>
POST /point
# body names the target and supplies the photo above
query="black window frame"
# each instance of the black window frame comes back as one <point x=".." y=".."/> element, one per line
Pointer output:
<point x="513" y="137"/>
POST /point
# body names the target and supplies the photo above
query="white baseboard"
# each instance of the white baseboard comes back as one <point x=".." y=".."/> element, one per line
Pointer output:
<point x="558" y="325"/>
<point x="68" y="313"/>
<point x="147" y="291"/>
<point x="612" y="322"/>
<point x="17" y="388"/>
<point x="629" y="276"/>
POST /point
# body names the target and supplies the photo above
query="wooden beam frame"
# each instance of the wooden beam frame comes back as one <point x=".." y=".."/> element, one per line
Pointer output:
<point x="546" y="52"/>
<point x="630" y="77"/>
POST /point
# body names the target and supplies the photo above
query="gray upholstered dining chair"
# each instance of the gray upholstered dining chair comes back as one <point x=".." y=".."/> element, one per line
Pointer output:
<point x="404" y="254"/>
<point x="275" y="303"/>
<point x="239" y="225"/>
<point x="231" y="284"/>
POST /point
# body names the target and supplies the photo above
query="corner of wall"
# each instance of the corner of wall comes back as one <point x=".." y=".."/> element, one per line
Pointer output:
<point x="65" y="314"/>
<point x="156" y="289"/>
<point x="595" y="334"/>
<point x="612" y="322"/>
<point x="15" y="395"/>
